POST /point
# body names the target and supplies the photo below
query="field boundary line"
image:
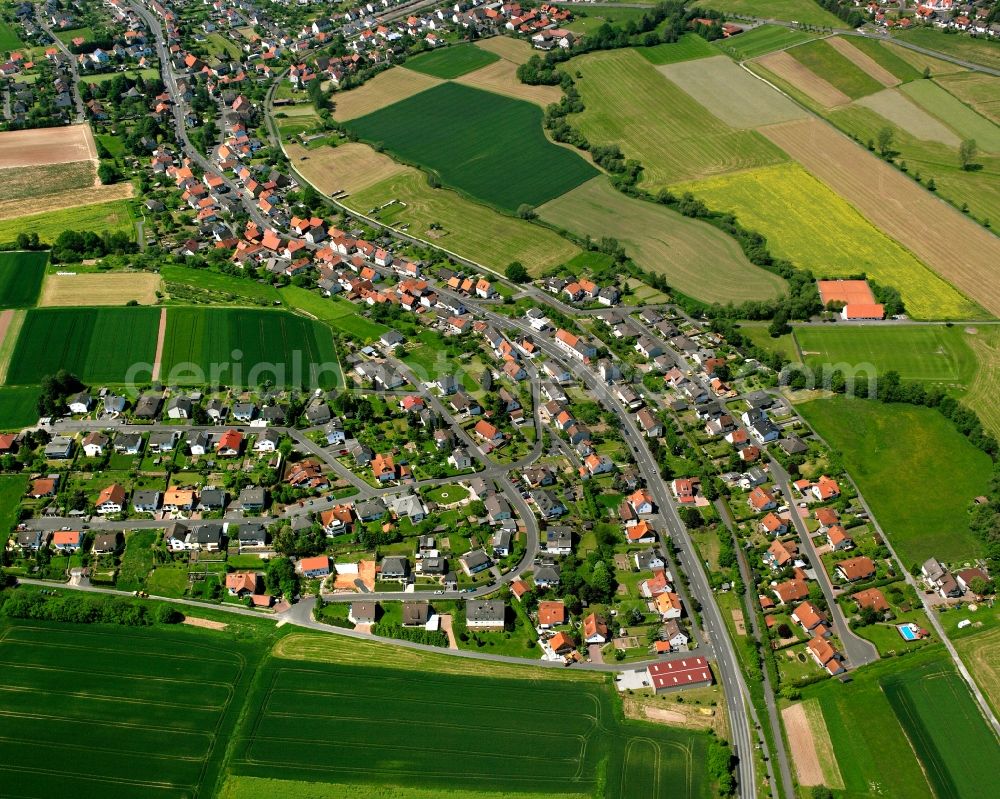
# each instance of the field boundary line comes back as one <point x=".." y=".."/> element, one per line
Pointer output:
<point x="11" y="322"/>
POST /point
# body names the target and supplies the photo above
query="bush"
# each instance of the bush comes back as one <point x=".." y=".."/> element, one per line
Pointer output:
<point x="90" y="609"/>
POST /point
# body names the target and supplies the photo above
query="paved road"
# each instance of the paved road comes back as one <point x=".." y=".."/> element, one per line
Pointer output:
<point x="81" y="115"/>
<point x="859" y="651"/>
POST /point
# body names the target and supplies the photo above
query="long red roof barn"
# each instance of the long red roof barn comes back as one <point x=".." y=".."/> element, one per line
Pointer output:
<point x="671" y="674"/>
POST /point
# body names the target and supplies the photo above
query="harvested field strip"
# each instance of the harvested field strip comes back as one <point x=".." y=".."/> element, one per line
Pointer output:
<point x="21" y="276"/>
<point x="862" y="61"/>
<point x="801" y="78"/>
<point x="898" y="109"/>
<point x="73" y="198"/>
<point x="803" y="748"/>
<point x="111" y="217"/>
<point x="10" y="328"/>
<point x="629" y="103"/>
<point x="97" y="344"/>
<point x="731" y="93"/>
<point x="975" y="89"/>
<point x="350" y="167"/>
<point x="30" y="182"/>
<point x="827" y="63"/>
<point x="985" y="388"/>
<point x="979" y="653"/>
<point x="508" y="48"/>
<point x="696" y="258"/>
<point x="956" y="248"/>
<point x="969" y="125"/>
<point x="884" y="55"/>
<point x="466" y="135"/>
<point x="823" y="745"/>
<point x="381" y="91"/>
<point x="108" y="288"/>
<point x="466" y="228"/>
<point x="817" y="229"/>
<point x="47" y="146"/>
<point x="501" y="77"/>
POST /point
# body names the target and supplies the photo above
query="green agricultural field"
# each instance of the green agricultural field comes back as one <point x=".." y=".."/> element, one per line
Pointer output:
<point x="696" y="258"/>
<point x="979" y="51"/>
<point x="98" y="345"/>
<point x="930" y="354"/>
<point x="21" y="276"/>
<point x="452" y="61"/>
<point x="815" y="228"/>
<point x="9" y="40"/>
<point x="463" y="227"/>
<point x="804" y="11"/>
<point x="689" y="47"/>
<point x="118" y="712"/>
<point x="761" y="41"/>
<point x="339" y="314"/>
<point x="630" y="103"/>
<point x="872" y="750"/>
<point x="273" y="346"/>
<point x="471" y="728"/>
<point x="466" y="137"/>
<point x="946" y="743"/>
<point x="12" y="490"/>
<point x="898" y="454"/>
<point x="587" y="20"/>
<point x="822" y="59"/>
<point x="213" y="281"/>
<point x="784" y="345"/>
<point x="975" y="89"/>
<point x="111" y="217"/>
<point x="886" y="58"/>
<point x="18" y="407"/>
<point x="966" y="122"/>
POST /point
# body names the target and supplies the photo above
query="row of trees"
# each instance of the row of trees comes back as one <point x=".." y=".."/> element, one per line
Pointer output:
<point x="89" y="609"/>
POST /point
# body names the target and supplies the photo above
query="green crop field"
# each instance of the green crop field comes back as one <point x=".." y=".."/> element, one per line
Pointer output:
<point x="886" y="58"/>
<point x="880" y="753"/>
<point x="213" y="281"/>
<point x="953" y="112"/>
<point x="467" y="137"/>
<point x="815" y="228"/>
<point x="12" y="490"/>
<point x="689" y="47"/>
<point x="804" y="11"/>
<point x="930" y="354"/>
<point x="761" y="41"/>
<point x="822" y="59"/>
<point x="21" y="276"/>
<point x="630" y="103"/>
<point x="946" y="743"/>
<point x="339" y="314"/>
<point x="113" y="217"/>
<point x="115" y="713"/>
<point x="9" y="40"/>
<point x="899" y="454"/>
<point x="979" y="51"/>
<point x="274" y="346"/>
<point x="981" y="92"/>
<point x="98" y="345"/>
<point x="346" y="723"/>
<point x="452" y="61"/>
<point x="18" y="407"/>
<point x="593" y="18"/>
<point x="696" y="258"/>
<point x="463" y="227"/>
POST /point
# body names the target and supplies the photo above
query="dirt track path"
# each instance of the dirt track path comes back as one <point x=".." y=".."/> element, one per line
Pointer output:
<point x="158" y="360"/>
<point x="6" y="347"/>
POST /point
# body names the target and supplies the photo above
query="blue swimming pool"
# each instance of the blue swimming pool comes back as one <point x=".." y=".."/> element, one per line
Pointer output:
<point x="908" y="632"/>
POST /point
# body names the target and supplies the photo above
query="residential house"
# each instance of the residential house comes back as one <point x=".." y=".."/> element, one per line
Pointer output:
<point x="595" y="629"/>
<point x="854" y="569"/>
<point x="485" y="614"/>
<point x="111" y="500"/>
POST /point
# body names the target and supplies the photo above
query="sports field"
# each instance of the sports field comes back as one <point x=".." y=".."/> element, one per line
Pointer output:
<point x="966" y="122"/>
<point x="113" y="217"/>
<point x="467" y="136"/>
<point x="21" y="276"/>
<point x="452" y="61"/>
<point x="815" y="228"/>
<point x="383" y="90"/>
<point x="117" y="712"/>
<point x="689" y="47"/>
<point x="896" y="107"/>
<point x="696" y="258"/>
<point x="899" y="454"/>
<point x="828" y="63"/>
<point x="98" y="345"/>
<point x="958" y="249"/>
<point x="803" y="11"/>
<point x="462" y="226"/>
<point x="629" y="103"/>
<point x="980" y="91"/>
<point x="978" y="51"/>
<point x="346" y="722"/>
<point x="761" y="40"/>
<point x="275" y="346"/>
<point x="946" y="743"/>
<point x="930" y="354"/>
<point x="731" y="93"/>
